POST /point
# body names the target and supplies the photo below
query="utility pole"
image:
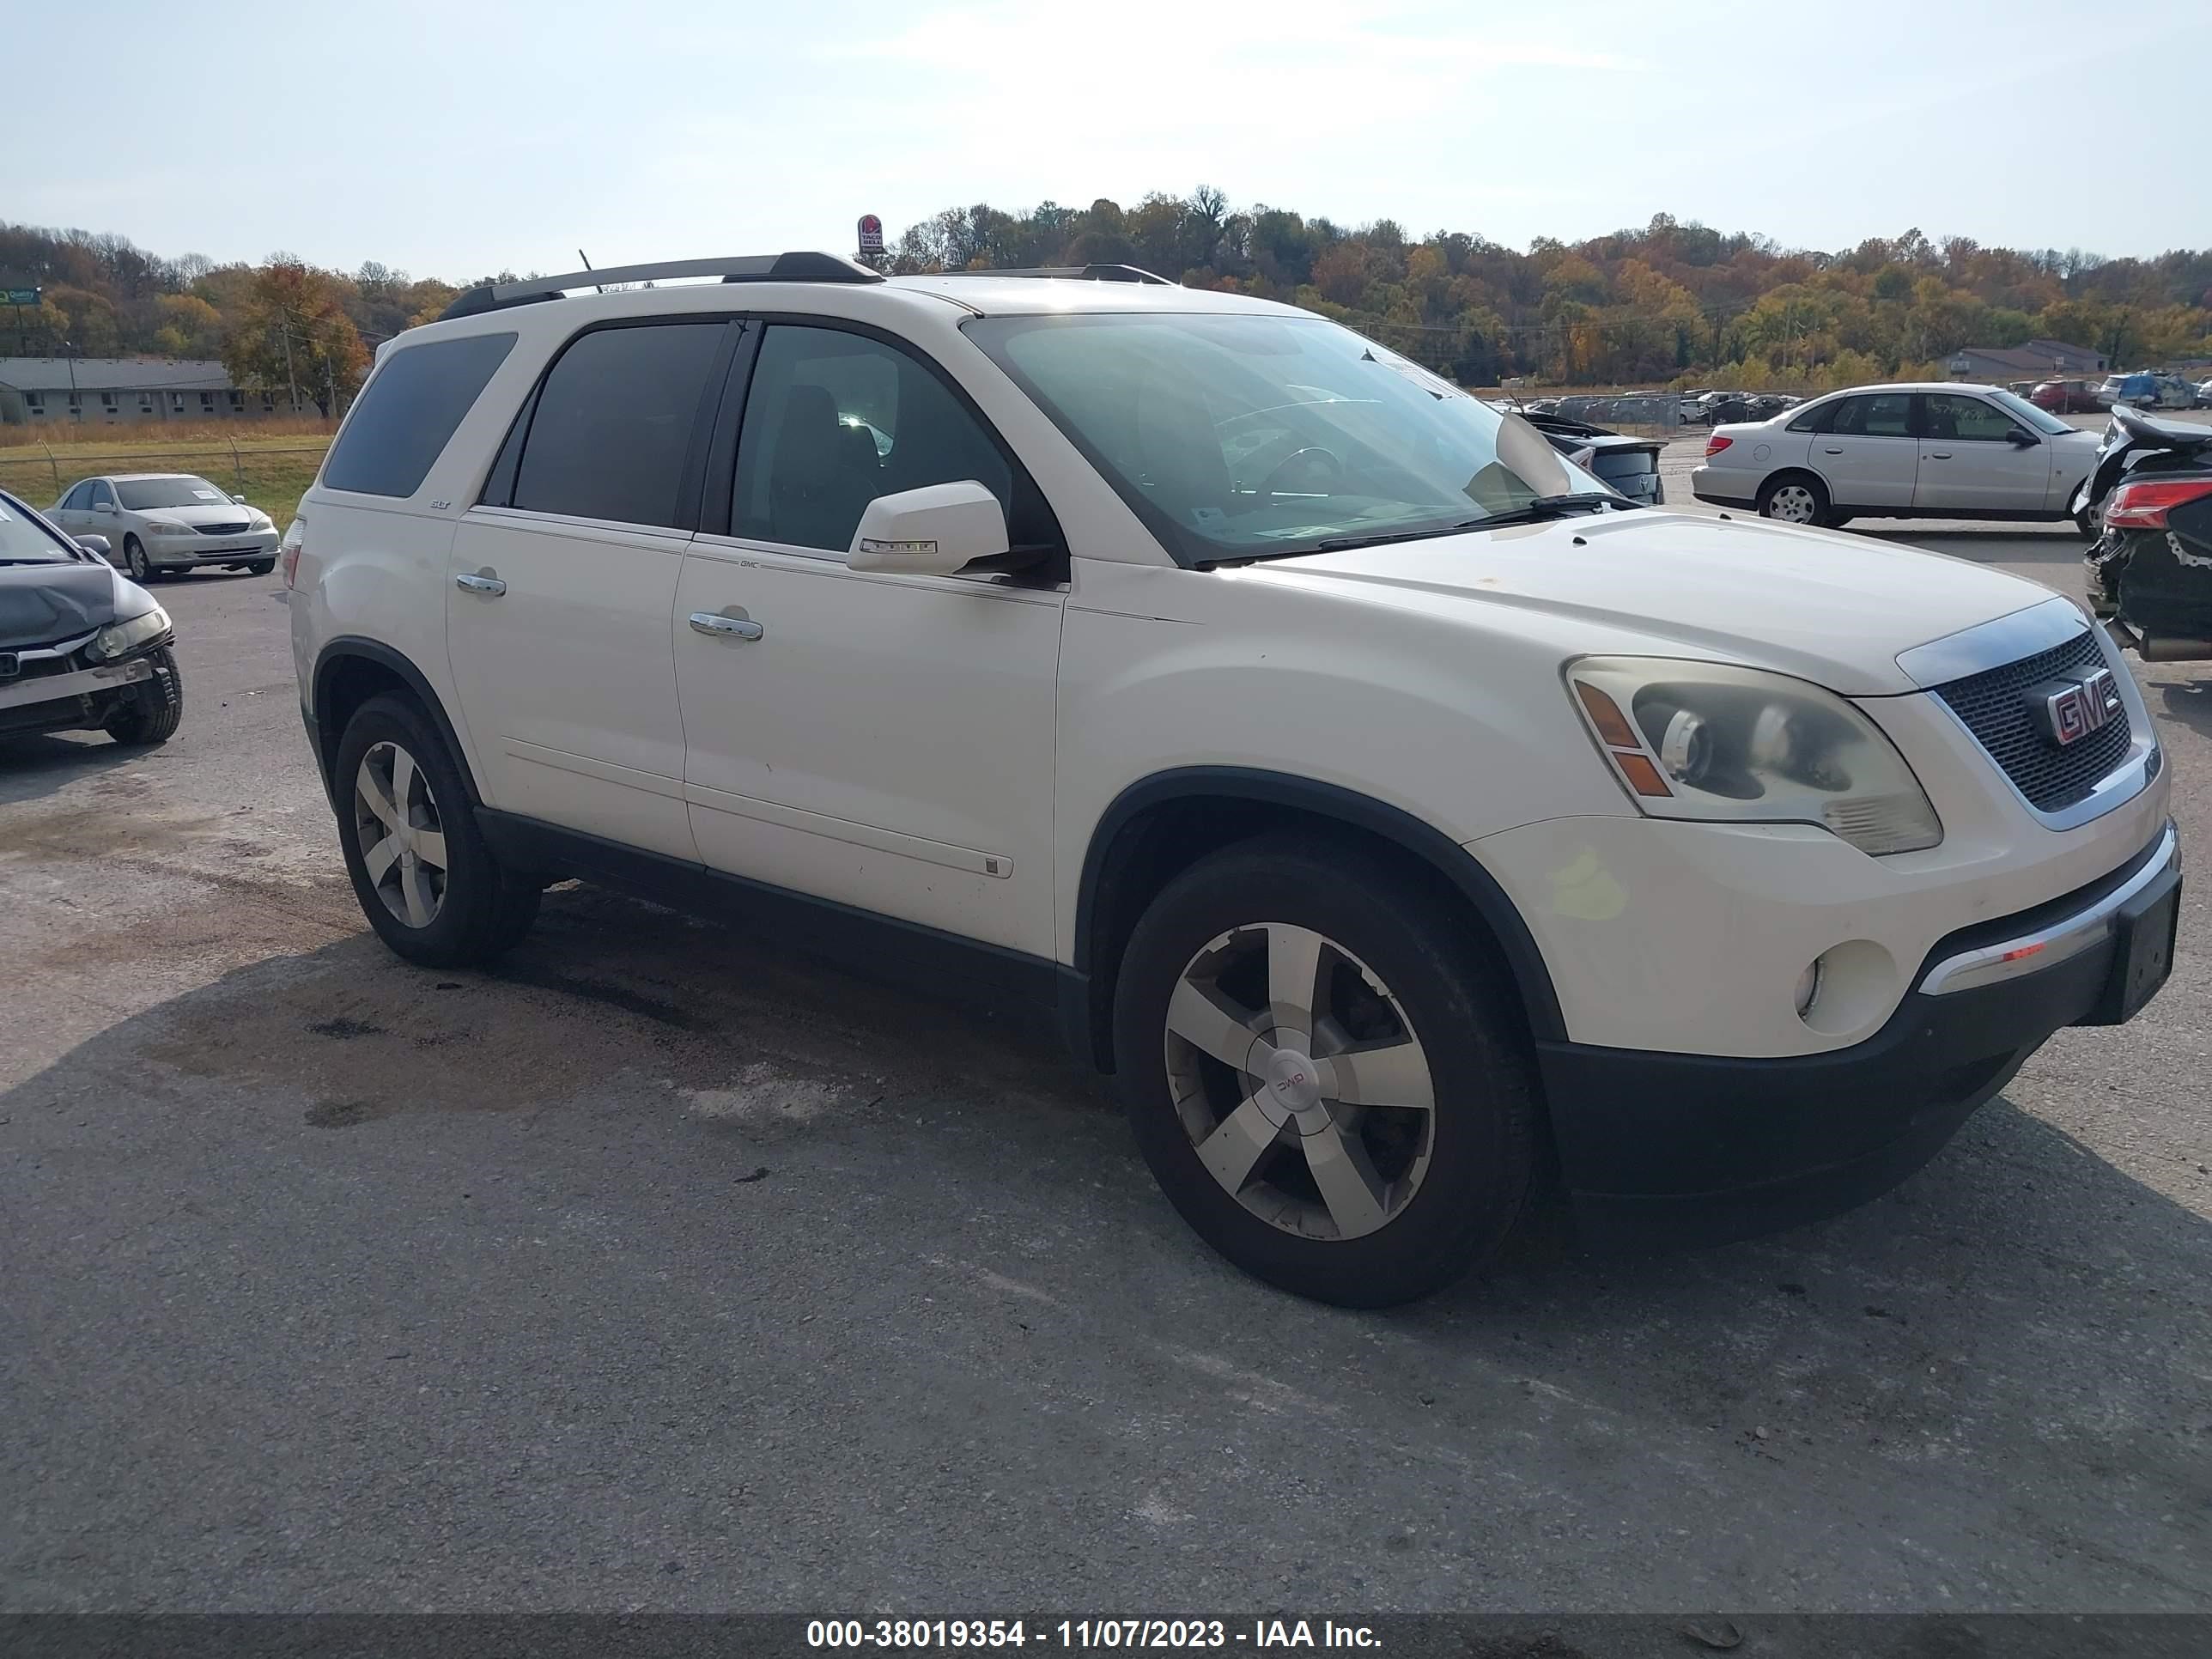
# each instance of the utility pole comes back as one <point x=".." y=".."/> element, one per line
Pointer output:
<point x="69" y="353"/>
<point x="290" y="379"/>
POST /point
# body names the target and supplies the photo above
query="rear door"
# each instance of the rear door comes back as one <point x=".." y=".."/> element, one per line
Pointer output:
<point x="1868" y="456"/>
<point x="562" y="583"/>
<point x="1975" y="459"/>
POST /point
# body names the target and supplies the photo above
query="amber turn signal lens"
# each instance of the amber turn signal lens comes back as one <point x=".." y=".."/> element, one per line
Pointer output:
<point x="1642" y="777"/>
<point x="1613" y="727"/>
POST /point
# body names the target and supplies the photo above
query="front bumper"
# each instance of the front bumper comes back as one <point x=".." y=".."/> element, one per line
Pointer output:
<point x="81" y="699"/>
<point x="1687" y="1149"/>
<point x="196" y="549"/>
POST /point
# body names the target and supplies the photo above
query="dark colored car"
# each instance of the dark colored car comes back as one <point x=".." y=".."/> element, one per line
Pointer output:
<point x="2150" y="572"/>
<point x="1630" y="464"/>
<point x="83" y="648"/>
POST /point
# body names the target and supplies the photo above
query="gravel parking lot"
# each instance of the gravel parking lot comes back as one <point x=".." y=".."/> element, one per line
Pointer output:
<point x="658" y="1270"/>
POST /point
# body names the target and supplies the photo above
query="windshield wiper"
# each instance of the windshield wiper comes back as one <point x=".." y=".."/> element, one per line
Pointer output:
<point x="1546" y="507"/>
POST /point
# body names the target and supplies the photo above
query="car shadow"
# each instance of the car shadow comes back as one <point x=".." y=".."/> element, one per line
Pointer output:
<point x="2191" y="703"/>
<point x="34" y="767"/>
<point x="2011" y="543"/>
<point x="647" y="1133"/>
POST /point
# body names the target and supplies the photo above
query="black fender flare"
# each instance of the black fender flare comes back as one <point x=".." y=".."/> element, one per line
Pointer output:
<point x="353" y="647"/>
<point x="1419" y="839"/>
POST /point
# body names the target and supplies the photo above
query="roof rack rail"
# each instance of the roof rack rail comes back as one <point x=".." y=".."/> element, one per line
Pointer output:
<point x="801" y="267"/>
<point x="1083" y="273"/>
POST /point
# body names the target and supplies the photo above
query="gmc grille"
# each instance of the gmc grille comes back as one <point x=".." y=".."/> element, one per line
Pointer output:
<point x="1994" y="706"/>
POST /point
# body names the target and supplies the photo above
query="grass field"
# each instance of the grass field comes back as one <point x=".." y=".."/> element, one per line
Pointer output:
<point x="272" y="471"/>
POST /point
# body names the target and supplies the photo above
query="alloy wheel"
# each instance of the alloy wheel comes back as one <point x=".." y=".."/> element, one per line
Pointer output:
<point x="401" y="835"/>
<point x="135" y="560"/>
<point x="1300" y="1081"/>
<point x="1792" y="504"/>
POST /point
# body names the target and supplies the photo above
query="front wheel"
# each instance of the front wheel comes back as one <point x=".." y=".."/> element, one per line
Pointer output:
<point x="1329" y="1083"/>
<point x="259" y="566"/>
<point x="153" y="708"/>
<point x="424" y="876"/>
<point x="135" y="562"/>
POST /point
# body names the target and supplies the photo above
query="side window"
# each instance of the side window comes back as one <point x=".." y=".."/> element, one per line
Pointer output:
<point x="78" y="499"/>
<point x="102" y="496"/>
<point x="1968" y="420"/>
<point x="1882" y="415"/>
<point x="1822" y="418"/>
<point x="834" y="419"/>
<point x="408" y="410"/>
<point x="615" y="421"/>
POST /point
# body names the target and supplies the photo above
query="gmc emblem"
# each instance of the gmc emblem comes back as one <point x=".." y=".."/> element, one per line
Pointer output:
<point x="2069" y="709"/>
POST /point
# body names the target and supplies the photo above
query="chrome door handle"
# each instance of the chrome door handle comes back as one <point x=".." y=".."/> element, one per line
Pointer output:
<point x="476" y="584"/>
<point x="728" y="628"/>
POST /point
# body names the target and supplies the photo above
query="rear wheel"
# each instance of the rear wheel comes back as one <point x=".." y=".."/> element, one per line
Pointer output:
<point x="1793" y="498"/>
<point x="2088" y="524"/>
<point x="1331" y="1087"/>
<point x="424" y="876"/>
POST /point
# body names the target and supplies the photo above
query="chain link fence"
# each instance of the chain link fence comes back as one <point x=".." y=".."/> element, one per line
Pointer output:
<point x="272" y="476"/>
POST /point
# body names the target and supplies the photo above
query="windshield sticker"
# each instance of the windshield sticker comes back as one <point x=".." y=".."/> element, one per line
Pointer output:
<point x="209" y="495"/>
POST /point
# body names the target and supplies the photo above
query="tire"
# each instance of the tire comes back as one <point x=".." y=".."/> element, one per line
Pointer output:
<point x="1366" y="1208"/>
<point x="1794" y="498"/>
<point x="156" y="707"/>
<point x="136" y="564"/>
<point x="2086" y="522"/>
<point x="259" y="566"/>
<point x="1832" y="519"/>
<point x="464" y="912"/>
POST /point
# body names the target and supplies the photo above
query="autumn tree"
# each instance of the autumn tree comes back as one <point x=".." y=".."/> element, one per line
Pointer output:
<point x="294" y="337"/>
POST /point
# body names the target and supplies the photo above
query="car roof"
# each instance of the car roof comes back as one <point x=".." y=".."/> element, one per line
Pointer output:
<point x="147" y="477"/>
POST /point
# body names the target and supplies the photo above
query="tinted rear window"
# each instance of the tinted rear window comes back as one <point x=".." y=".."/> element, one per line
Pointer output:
<point x="408" y="411"/>
<point x="615" y="421"/>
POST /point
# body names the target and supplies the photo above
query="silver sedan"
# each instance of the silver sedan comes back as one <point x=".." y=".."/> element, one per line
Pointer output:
<point x="158" y="521"/>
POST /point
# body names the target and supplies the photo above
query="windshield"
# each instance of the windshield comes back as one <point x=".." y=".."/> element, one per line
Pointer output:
<point x="2028" y="415"/>
<point x="142" y="494"/>
<point x="24" y="540"/>
<point x="1242" y="437"/>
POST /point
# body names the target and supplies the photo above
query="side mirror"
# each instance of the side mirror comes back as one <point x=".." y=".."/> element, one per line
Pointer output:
<point x="2019" y="440"/>
<point x="99" y="544"/>
<point x="103" y="506"/>
<point x="932" y="531"/>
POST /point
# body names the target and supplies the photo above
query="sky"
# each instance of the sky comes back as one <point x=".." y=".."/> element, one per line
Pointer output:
<point x="459" y="139"/>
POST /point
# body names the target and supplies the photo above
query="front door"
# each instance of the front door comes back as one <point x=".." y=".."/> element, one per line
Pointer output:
<point x="1867" y="454"/>
<point x="561" y="583"/>
<point x="1975" y="459"/>
<point x="881" y="740"/>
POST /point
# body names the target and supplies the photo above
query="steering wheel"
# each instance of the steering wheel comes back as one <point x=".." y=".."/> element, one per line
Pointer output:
<point x="1311" y="451"/>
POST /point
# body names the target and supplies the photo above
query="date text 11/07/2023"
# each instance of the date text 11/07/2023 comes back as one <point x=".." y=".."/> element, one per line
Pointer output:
<point x="1087" y="1633"/>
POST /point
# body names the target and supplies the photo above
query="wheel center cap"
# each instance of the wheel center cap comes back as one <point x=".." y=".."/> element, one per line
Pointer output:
<point x="1292" y="1081"/>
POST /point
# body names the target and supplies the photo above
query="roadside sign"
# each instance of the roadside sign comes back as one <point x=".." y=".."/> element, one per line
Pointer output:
<point x="872" y="233"/>
<point x="30" y="296"/>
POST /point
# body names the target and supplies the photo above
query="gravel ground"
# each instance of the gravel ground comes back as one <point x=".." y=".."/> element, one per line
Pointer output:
<point x="659" y="1270"/>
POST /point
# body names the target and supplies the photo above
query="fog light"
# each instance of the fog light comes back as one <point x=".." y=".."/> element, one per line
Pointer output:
<point x="1809" y="987"/>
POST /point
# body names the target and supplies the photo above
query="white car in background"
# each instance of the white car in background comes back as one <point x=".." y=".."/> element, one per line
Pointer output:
<point x="164" y="522"/>
<point x="1929" y="451"/>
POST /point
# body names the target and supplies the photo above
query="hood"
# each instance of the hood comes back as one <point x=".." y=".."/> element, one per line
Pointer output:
<point x="42" y="602"/>
<point x="201" y="512"/>
<point x="1833" y="609"/>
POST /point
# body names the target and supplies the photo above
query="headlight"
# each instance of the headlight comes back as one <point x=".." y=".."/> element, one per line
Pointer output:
<point x="120" y="639"/>
<point x="164" y="527"/>
<point x="1708" y="741"/>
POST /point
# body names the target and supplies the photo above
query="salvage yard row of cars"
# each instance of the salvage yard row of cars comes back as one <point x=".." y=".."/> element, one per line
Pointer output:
<point x="1086" y="645"/>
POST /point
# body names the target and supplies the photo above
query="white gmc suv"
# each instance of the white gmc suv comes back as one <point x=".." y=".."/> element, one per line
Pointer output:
<point x="1391" y="807"/>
